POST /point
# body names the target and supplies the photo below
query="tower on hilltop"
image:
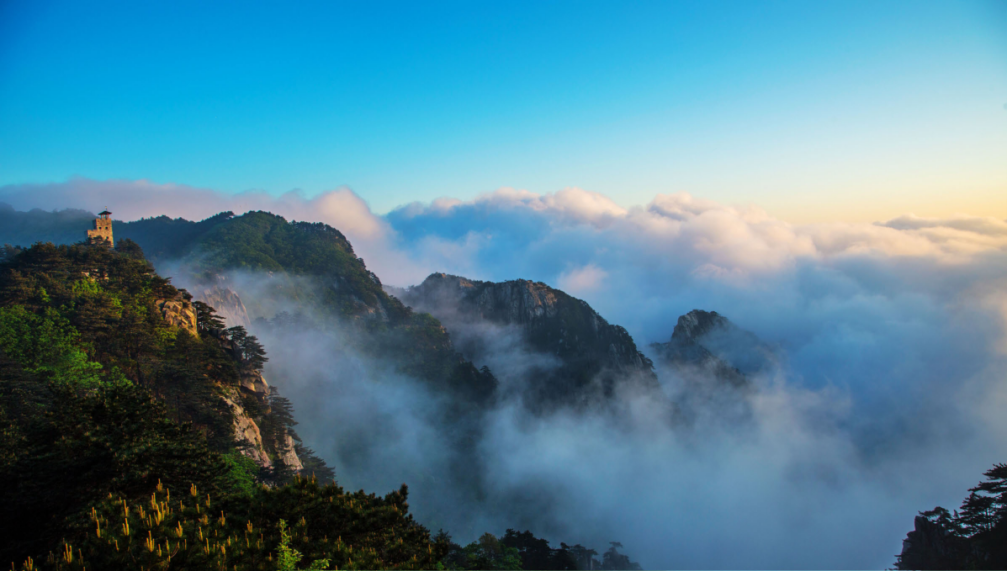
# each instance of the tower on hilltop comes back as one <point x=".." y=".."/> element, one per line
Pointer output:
<point x="102" y="228"/>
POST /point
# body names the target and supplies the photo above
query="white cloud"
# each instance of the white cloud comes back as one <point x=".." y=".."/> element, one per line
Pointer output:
<point x="581" y="280"/>
<point x="893" y="339"/>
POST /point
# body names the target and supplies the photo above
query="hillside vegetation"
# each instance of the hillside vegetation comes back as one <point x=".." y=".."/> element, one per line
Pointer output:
<point x="106" y="409"/>
<point x="972" y="537"/>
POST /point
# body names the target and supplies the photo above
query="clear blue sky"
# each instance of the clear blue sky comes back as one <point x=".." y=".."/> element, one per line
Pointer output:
<point x="811" y="109"/>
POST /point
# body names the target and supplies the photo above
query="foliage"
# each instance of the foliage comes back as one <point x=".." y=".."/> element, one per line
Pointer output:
<point x="195" y="530"/>
<point x="289" y="557"/>
<point x="100" y="395"/>
<point x="246" y="347"/>
<point x="973" y="537"/>
<point x="166" y="238"/>
<point x="241" y="473"/>
<point x="535" y="553"/>
<point x="46" y="345"/>
<point x="522" y="550"/>
<point x="130" y="249"/>
<point x="487" y="552"/>
<point x="612" y="559"/>
<point x="64" y="449"/>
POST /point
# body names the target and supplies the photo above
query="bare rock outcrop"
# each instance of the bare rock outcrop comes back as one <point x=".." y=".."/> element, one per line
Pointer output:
<point x="246" y="432"/>
<point x="179" y="312"/>
<point x="709" y="343"/>
<point x="224" y="300"/>
<point x="686" y="353"/>
<point x="249" y="437"/>
<point x="255" y="382"/>
<point x="288" y="454"/>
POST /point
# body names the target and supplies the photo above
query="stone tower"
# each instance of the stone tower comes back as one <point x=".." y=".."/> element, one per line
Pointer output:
<point x="102" y="228"/>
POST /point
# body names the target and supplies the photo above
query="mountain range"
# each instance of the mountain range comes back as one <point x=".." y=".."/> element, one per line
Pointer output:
<point x="475" y="345"/>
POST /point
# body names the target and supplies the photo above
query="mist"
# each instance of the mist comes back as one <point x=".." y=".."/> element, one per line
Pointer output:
<point x="884" y="395"/>
<point x="799" y="484"/>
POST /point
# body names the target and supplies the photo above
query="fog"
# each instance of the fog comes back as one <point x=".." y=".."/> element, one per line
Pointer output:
<point x="884" y="396"/>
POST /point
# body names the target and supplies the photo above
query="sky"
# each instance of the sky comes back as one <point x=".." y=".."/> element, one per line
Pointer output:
<point x="814" y="111"/>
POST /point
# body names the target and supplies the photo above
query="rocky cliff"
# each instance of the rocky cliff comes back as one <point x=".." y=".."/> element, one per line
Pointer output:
<point x="179" y="312"/>
<point x="589" y="356"/>
<point x="687" y="353"/>
<point x="929" y="546"/>
<point x="217" y="293"/>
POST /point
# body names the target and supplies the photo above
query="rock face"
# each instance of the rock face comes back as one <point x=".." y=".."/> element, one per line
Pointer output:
<point x="590" y="357"/>
<point x="179" y="312"/>
<point x="224" y="301"/>
<point x="288" y="454"/>
<point x="700" y="364"/>
<point x="686" y="351"/>
<point x="247" y="432"/>
<point x="709" y="342"/>
<point x="254" y="381"/>
<point x="929" y="546"/>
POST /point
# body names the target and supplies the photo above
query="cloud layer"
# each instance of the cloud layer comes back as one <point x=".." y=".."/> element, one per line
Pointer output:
<point x="888" y="398"/>
<point x="892" y="338"/>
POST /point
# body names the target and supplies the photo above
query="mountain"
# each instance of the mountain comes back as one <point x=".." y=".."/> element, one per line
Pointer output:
<point x="149" y="393"/>
<point x="688" y="355"/>
<point x="708" y="364"/>
<point x="707" y="344"/>
<point x="59" y="227"/>
<point x="311" y="265"/>
<point x="972" y="537"/>
<point x="116" y="389"/>
<point x="574" y="356"/>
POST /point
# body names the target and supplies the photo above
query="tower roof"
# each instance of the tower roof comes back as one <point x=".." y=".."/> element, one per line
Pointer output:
<point x="104" y="213"/>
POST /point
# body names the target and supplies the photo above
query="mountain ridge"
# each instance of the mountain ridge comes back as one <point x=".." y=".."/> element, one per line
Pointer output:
<point x="595" y="357"/>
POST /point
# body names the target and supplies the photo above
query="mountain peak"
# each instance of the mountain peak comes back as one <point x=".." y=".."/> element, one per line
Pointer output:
<point x="441" y="279"/>
<point x="585" y="351"/>
<point x="697" y="323"/>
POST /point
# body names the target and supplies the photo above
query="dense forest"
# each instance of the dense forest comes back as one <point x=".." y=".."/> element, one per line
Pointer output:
<point x="107" y="409"/>
<point x="119" y="424"/>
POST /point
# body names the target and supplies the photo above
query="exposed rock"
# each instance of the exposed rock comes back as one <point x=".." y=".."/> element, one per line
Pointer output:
<point x="224" y="300"/>
<point x="246" y="432"/>
<point x="697" y="323"/>
<point x="255" y="382"/>
<point x="288" y="454"/>
<point x="179" y="312"/>
<point x="249" y="437"/>
<point x="686" y="350"/>
<point x="702" y="376"/>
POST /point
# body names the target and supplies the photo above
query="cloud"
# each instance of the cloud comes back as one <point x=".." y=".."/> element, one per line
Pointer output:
<point x="892" y="344"/>
<point x="887" y="398"/>
<point x="986" y="225"/>
<point x="582" y="279"/>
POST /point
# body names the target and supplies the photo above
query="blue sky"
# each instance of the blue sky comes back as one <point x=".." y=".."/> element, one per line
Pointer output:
<point x="813" y="110"/>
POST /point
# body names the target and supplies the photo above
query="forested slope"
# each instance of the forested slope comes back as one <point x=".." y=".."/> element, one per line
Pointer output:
<point x="140" y="404"/>
<point x="104" y="402"/>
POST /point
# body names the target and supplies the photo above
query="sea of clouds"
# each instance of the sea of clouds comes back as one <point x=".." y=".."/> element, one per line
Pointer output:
<point x="888" y="396"/>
